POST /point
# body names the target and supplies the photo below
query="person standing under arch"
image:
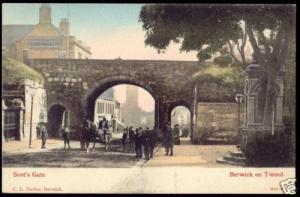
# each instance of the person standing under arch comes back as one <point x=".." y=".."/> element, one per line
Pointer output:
<point x="66" y="136"/>
<point x="169" y="139"/>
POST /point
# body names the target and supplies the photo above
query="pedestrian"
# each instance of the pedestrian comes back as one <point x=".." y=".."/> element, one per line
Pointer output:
<point x="124" y="138"/>
<point x="66" y="136"/>
<point x="152" y="141"/>
<point x="176" y="134"/>
<point x="138" y="146"/>
<point x="44" y="134"/>
<point x="38" y="131"/>
<point x="131" y="137"/>
<point x="145" y="142"/>
<point x="169" y="139"/>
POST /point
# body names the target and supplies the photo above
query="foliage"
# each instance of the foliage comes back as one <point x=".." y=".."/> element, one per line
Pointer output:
<point x="267" y="150"/>
<point x="207" y="28"/>
<point x="13" y="72"/>
<point x="204" y="28"/>
<point x="223" y="60"/>
<point x="231" y="76"/>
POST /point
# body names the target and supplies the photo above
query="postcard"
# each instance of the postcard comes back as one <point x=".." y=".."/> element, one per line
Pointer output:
<point x="148" y="98"/>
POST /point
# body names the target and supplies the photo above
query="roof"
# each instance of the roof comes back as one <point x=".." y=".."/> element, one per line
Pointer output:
<point x="46" y="29"/>
<point x="13" y="72"/>
<point x="108" y="94"/>
<point x="13" y="33"/>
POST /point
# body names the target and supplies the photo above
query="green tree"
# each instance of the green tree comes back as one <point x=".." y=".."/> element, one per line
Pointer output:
<point x="208" y="28"/>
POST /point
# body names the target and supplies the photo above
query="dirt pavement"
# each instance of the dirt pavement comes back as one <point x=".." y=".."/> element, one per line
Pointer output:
<point x="187" y="154"/>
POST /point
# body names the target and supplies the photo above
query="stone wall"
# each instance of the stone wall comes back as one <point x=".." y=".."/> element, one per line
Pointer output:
<point x="217" y="122"/>
<point x="76" y="84"/>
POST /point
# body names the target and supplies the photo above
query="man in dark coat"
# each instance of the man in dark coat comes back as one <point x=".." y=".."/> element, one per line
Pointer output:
<point x="138" y="143"/>
<point x="176" y="134"/>
<point x="152" y="141"/>
<point x="86" y="132"/>
<point x="124" y="138"/>
<point x="169" y="139"/>
<point x="131" y="137"/>
<point x="145" y="142"/>
<point x="103" y="124"/>
<point x="44" y="134"/>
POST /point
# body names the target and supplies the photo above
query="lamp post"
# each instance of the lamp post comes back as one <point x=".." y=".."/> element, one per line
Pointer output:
<point x="239" y="100"/>
<point x="33" y="91"/>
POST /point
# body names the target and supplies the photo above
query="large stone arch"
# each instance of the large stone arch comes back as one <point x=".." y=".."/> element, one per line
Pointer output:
<point x="102" y="85"/>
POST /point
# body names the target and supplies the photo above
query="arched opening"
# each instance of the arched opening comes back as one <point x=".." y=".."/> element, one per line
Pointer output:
<point x="181" y="116"/>
<point x="123" y="104"/>
<point x="57" y="119"/>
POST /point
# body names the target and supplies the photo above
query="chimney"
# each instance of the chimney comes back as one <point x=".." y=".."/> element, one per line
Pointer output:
<point x="64" y="26"/>
<point x="45" y="14"/>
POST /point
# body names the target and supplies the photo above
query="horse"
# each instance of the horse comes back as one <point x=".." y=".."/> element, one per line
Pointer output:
<point x="103" y="136"/>
<point x="90" y="134"/>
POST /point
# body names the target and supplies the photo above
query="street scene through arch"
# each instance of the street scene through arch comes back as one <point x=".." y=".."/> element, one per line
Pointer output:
<point x="125" y="106"/>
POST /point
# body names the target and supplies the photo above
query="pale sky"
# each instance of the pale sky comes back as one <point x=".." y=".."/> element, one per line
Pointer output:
<point x="146" y="101"/>
<point x="111" y="30"/>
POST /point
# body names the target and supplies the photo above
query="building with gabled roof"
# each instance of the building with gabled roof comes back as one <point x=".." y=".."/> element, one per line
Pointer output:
<point x="43" y="40"/>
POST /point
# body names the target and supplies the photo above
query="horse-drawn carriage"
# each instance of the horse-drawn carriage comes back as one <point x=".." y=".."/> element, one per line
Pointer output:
<point x="90" y="133"/>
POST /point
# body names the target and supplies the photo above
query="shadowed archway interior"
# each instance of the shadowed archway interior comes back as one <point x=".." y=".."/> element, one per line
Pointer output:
<point x="57" y="117"/>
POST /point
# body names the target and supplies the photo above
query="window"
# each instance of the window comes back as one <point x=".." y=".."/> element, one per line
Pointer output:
<point x="44" y="42"/>
<point x="25" y="54"/>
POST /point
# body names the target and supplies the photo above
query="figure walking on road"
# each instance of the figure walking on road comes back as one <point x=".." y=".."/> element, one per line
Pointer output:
<point x="131" y="137"/>
<point x="44" y="134"/>
<point x="169" y="139"/>
<point x="124" y="138"/>
<point x="152" y="141"/>
<point x="66" y="136"/>
<point x="138" y="144"/>
<point x="176" y="134"/>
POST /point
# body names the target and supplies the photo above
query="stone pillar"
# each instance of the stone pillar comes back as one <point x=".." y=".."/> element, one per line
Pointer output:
<point x="250" y="110"/>
<point x="3" y="119"/>
<point x="163" y="113"/>
<point x="194" y="133"/>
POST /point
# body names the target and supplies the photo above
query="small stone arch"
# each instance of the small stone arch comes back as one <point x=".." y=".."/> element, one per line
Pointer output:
<point x="188" y="107"/>
<point x="179" y="103"/>
<point x="58" y="117"/>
